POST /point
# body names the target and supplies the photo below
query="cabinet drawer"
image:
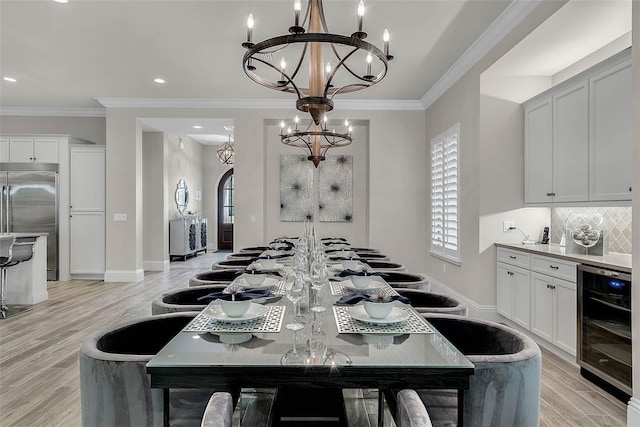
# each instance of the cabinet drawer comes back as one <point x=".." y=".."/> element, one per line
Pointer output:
<point x="517" y="258"/>
<point x="554" y="267"/>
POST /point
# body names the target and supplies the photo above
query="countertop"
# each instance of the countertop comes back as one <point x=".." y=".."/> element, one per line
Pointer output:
<point x="12" y="235"/>
<point x="613" y="260"/>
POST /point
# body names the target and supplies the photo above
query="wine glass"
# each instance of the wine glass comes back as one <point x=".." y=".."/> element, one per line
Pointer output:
<point x="319" y="277"/>
<point x="295" y="291"/>
<point x="294" y="356"/>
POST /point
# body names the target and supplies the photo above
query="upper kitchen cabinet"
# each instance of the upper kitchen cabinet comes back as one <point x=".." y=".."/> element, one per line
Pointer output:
<point x="611" y="133"/>
<point x="33" y="150"/>
<point x="578" y="137"/>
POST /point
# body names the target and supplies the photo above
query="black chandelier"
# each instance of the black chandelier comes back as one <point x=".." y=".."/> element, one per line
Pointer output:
<point x="349" y="67"/>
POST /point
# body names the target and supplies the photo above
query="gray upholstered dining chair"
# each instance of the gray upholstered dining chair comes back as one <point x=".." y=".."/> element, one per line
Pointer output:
<point x="504" y="390"/>
<point x="219" y="411"/>
<point x="410" y="410"/>
<point x="115" y="389"/>
<point x="433" y="302"/>
<point x="406" y="280"/>
<point x="222" y="276"/>
<point x="185" y="299"/>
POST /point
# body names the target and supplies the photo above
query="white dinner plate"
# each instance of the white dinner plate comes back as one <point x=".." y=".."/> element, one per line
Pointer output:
<point x="259" y="266"/>
<point x="397" y="315"/>
<point x="376" y="285"/>
<point x="269" y="282"/>
<point x="254" y="312"/>
<point x="338" y="268"/>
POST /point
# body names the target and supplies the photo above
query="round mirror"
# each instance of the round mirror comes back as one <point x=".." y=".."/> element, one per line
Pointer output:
<point x="182" y="196"/>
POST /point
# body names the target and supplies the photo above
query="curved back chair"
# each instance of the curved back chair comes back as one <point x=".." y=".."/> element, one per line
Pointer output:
<point x="386" y="266"/>
<point x="368" y="256"/>
<point x="217" y="277"/>
<point x="13" y="252"/>
<point x="219" y="411"/>
<point x="243" y="255"/>
<point x="406" y="280"/>
<point x="504" y="390"/>
<point x="432" y="302"/>
<point x="115" y="389"/>
<point x="259" y="249"/>
<point x="410" y="411"/>
<point x="366" y="250"/>
<point x="234" y="264"/>
<point x="183" y="299"/>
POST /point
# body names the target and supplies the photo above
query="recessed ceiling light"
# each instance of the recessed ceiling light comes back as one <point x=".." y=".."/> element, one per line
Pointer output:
<point x="9" y="79"/>
<point x="197" y="127"/>
<point x="60" y="1"/>
<point x="159" y="80"/>
<point x="228" y="128"/>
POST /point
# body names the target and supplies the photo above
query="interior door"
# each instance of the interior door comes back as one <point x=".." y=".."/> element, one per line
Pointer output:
<point x="225" y="211"/>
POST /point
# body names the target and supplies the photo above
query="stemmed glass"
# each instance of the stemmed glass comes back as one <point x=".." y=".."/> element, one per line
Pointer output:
<point x="295" y="291"/>
<point x="293" y="356"/>
<point x="319" y="277"/>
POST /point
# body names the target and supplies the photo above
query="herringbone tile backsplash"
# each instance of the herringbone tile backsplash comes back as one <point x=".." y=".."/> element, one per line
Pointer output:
<point x="618" y="220"/>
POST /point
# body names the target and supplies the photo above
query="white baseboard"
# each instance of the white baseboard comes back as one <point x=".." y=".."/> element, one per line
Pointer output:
<point x="85" y="276"/>
<point x="633" y="412"/>
<point x="124" y="275"/>
<point x="156" y="265"/>
<point x="485" y="312"/>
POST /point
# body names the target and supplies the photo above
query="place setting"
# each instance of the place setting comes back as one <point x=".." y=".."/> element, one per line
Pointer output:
<point x="350" y="281"/>
<point x="377" y="313"/>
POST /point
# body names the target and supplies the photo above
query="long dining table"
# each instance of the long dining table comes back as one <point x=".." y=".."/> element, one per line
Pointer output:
<point x="232" y="359"/>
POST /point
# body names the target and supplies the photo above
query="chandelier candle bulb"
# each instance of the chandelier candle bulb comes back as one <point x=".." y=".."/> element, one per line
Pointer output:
<point x="385" y="39"/>
<point x="297" y="7"/>
<point x="250" y="28"/>
<point x="360" y="15"/>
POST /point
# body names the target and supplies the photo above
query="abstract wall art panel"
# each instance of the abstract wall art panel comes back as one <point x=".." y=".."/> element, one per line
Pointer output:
<point x="296" y="188"/>
<point x="335" y="177"/>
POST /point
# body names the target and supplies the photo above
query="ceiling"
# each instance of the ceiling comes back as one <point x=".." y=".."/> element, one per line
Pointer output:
<point x="68" y="55"/>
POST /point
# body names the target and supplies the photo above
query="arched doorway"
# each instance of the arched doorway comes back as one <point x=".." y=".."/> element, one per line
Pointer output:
<point x="225" y="211"/>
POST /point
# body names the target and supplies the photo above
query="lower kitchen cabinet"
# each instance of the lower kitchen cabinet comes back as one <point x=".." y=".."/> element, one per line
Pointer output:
<point x="539" y="293"/>
<point x="514" y="294"/>
<point x="554" y="311"/>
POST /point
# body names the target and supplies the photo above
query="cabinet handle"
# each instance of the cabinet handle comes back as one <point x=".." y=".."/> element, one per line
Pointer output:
<point x="553" y="286"/>
<point x="555" y="267"/>
<point x="629" y="188"/>
<point x="548" y="286"/>
<point x="512" y="257"/>
<point x="551" y="194"/>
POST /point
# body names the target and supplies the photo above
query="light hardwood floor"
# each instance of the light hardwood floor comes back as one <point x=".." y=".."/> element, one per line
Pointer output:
<point x="39" y="354"/>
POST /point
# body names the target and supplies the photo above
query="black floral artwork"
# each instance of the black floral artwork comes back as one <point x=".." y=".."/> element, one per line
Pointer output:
<point x="296" y="188"/>
<point x="335" y="177"/>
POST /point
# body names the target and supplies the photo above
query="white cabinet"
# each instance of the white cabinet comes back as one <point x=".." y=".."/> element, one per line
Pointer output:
<point x="202" y="235"/>
<point x="578" y="137"/>
<point x="87" y="243"/>
<point x="4" y="150"/>
<point x="611" y="148"/>
<point x="87" y="239"/>
<point x="33" y="150"/>
<point x="514" y="288"/>
<point x="539" y="293"/>
<point x="554" y="311"/>
<point x="538" y="166"/>
<point x="183" y="237"/>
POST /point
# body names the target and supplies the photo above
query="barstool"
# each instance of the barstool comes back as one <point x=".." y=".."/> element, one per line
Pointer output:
<point x="13" y="252"/>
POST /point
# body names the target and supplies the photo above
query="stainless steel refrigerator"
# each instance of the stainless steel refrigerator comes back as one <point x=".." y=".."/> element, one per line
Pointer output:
<point x="29" y="204"/>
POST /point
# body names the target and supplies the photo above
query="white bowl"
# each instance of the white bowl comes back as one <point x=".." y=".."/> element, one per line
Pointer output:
<point x="235" y="308"/>
<point x="342" y="253"/>
<point x="268" y="264"/>
<point x="378" y="310"/>
<point x="350" y="264"/>
<point x="254" y="279"/>
<point x="361" y="281"/>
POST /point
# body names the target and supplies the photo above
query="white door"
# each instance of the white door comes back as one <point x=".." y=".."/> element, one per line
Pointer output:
<point x="521" y="297"/>
<point x="505" y="290"/>
<point x="565" y="315"/>
<point x="21" y="150"/>
<point x="87" y="179"/>
<point x="611" y="124"/>
<point x="45" y="150"/>
<point x="571" y="145"/>
<point x="87" y="243"/>
<point x="542" y="306"/>
<point x="538" y="153"/>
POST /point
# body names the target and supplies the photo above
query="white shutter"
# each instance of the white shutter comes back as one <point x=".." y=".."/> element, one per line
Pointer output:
<point x="444" y="194"/>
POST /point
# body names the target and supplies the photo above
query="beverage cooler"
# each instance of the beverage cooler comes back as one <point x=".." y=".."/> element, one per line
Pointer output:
<point x="604" y="328"/>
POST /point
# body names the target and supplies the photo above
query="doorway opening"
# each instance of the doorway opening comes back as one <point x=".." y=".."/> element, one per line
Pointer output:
<point x="225" y="211"/>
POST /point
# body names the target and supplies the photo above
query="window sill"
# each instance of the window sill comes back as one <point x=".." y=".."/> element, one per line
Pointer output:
<point x="447" y="258"/>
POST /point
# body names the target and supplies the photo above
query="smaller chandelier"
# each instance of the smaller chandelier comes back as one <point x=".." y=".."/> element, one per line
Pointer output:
<point x="315" y="139"/>
<point x="225" y="152"/>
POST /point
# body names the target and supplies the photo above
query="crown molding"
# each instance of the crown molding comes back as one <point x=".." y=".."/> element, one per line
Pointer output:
<point x="52" y="112"/>
<point x="512" y="16"/>
<point x="284" y="104"/>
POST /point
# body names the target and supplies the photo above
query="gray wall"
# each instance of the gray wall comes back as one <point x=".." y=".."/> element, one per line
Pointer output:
<point x="88" y="128"/>
<point x="634" y="415"/>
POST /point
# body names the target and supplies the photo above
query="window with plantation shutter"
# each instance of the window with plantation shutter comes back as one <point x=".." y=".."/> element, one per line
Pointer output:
<point x="445" y="238"/>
